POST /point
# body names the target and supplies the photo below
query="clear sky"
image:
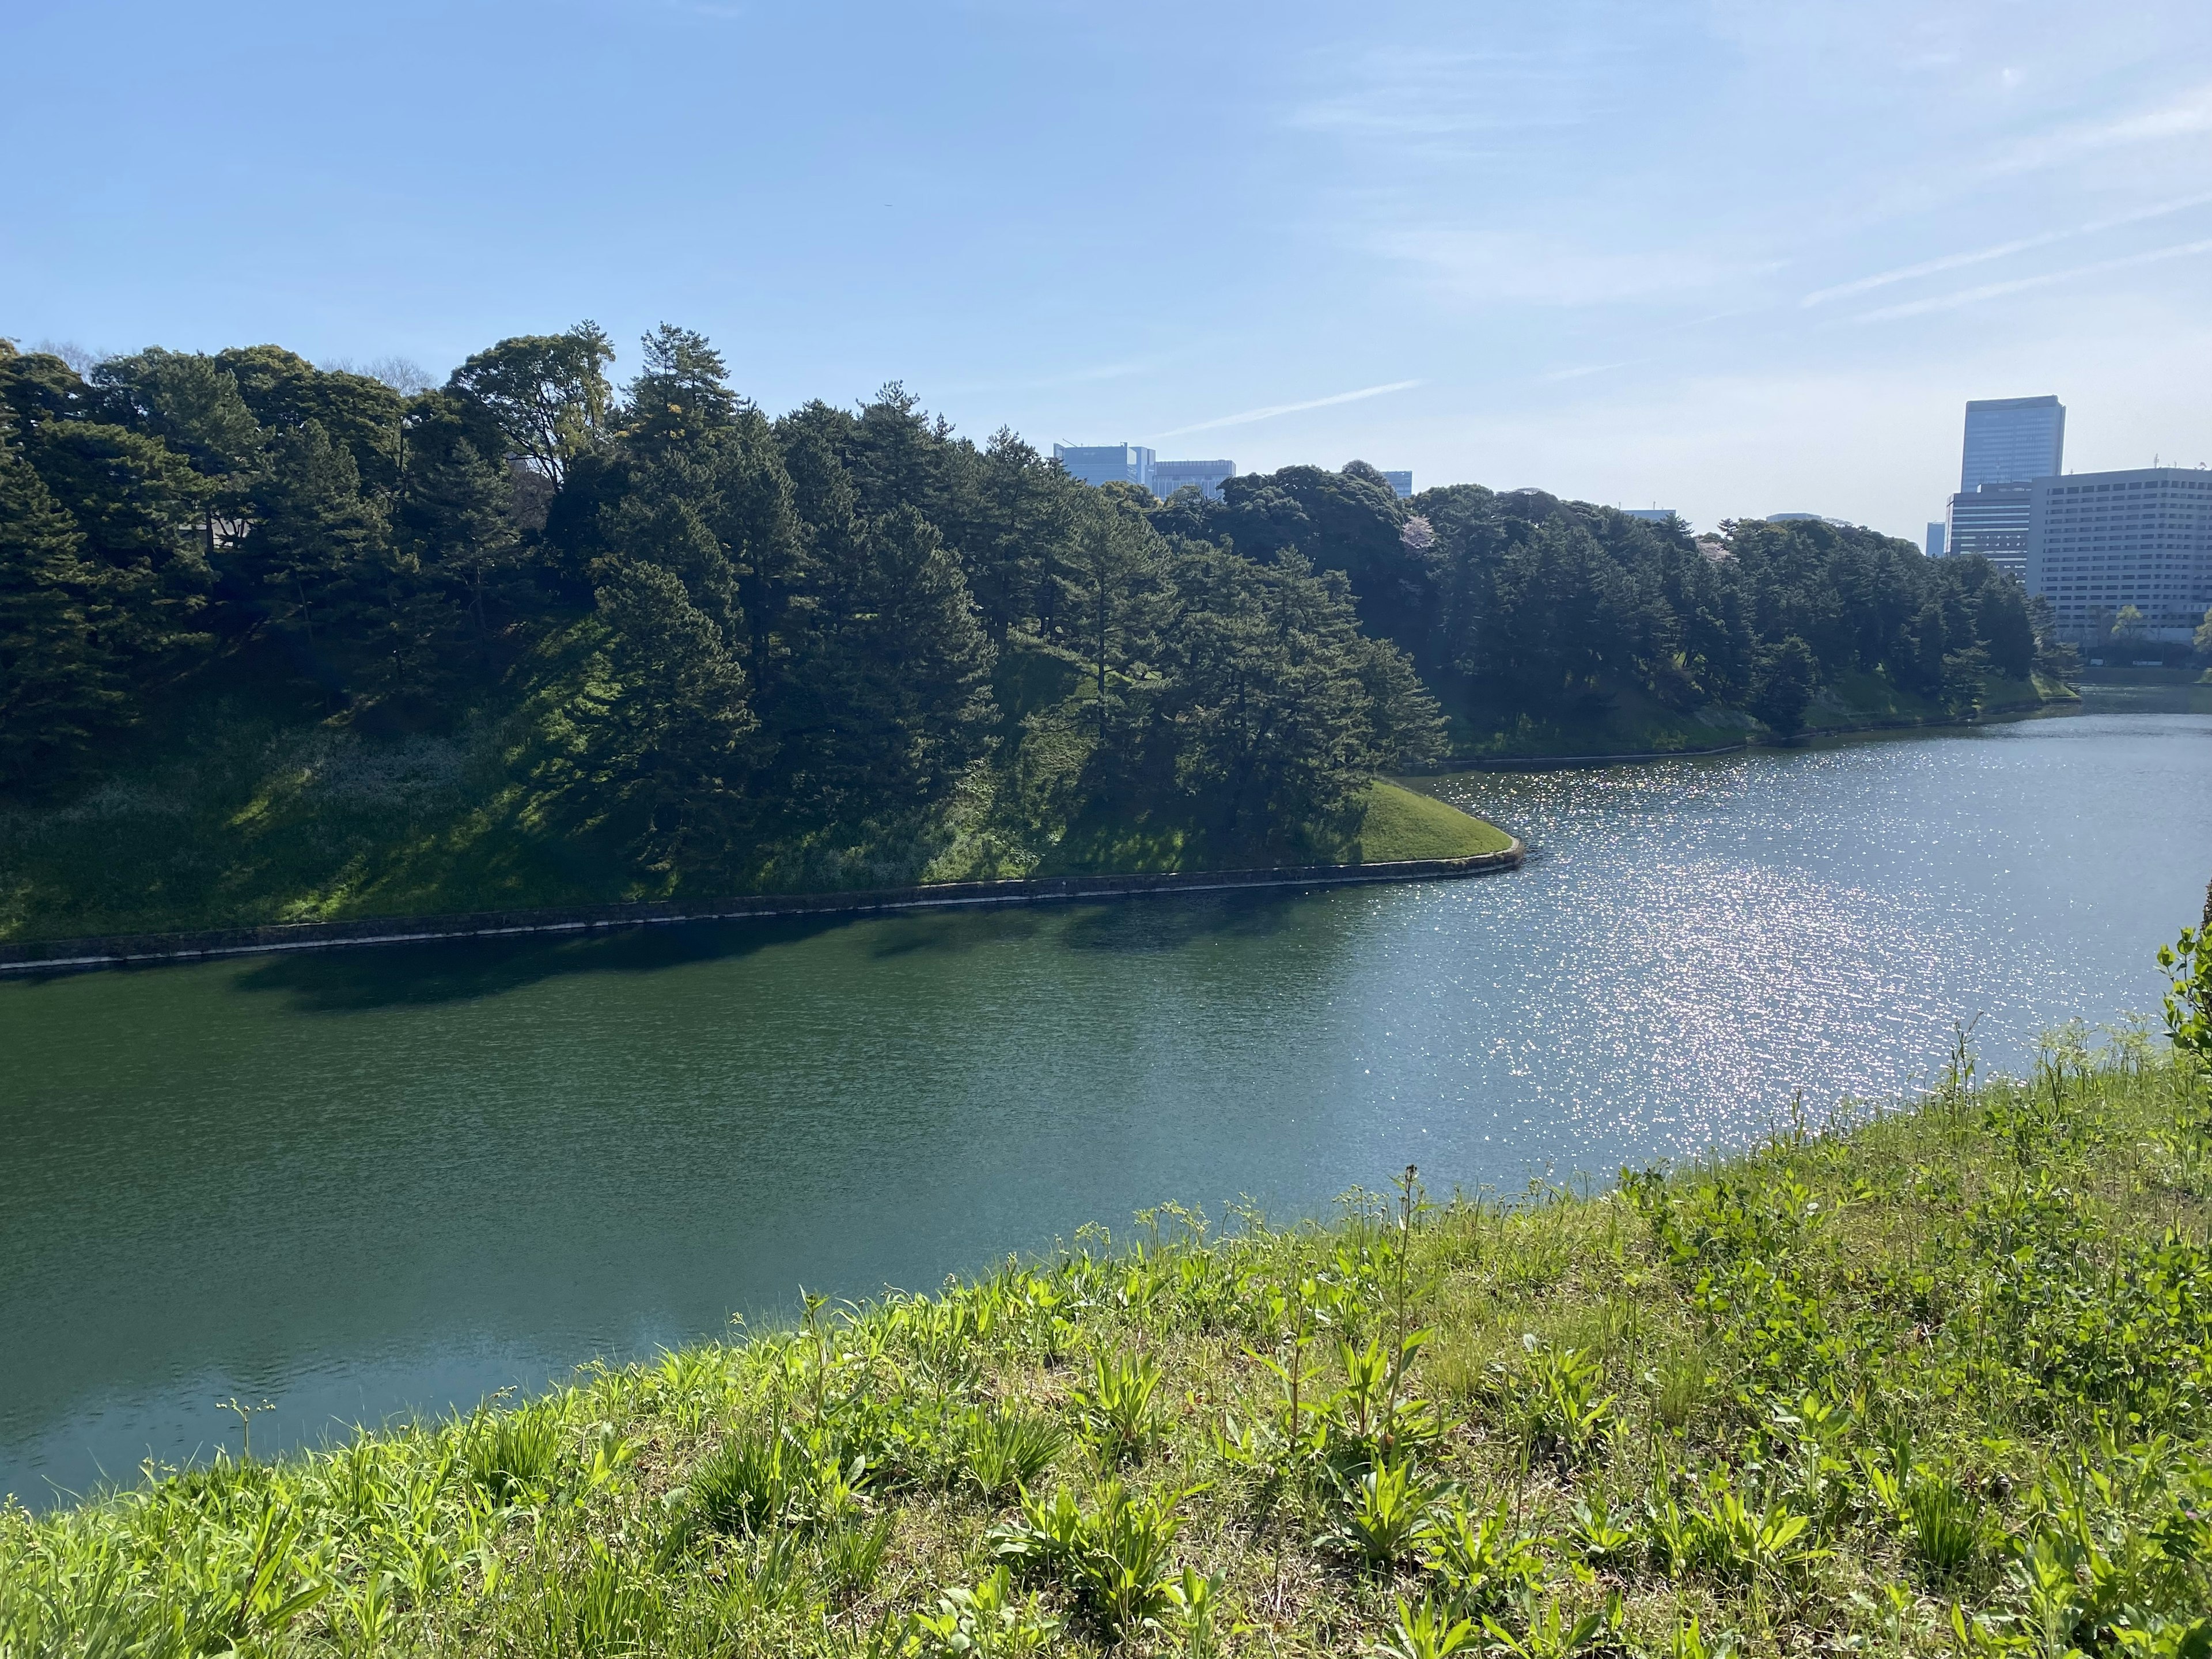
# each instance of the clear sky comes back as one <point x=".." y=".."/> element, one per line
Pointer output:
<point x="1732" y="257"/>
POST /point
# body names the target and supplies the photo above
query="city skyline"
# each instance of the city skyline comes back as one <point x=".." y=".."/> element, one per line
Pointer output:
<point x="1944" y="203"/>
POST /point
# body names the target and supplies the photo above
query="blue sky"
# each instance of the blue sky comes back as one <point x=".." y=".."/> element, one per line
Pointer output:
<point x="1732" y="257"/>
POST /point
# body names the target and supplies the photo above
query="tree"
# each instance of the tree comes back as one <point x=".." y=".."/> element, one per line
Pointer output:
<point x="1107" y="575"/>
<point x="891" y="676"/>
<point x="648" y="742"/>
<point x="317" y="550"/>
<point x="358" y="411"/>
<point x="1781" y="685"/>
<point x="2203" y="640"/>
<point x="680" y="395"/>
<point x="1271" y="730"/>
<point x="546" y="394"/>
<point x="59" y="683"/>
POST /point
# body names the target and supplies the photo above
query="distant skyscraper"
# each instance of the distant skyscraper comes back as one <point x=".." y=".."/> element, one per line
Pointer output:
<point x="2012" y="440"/>
<point x="1935" y="532"/>
<point x="1648" y="515"/>
<point x="1168" y="476"/>
<point x="1401" y="482"/>
<point x="1098" y="464"/>
<point x="2099" y="541"/>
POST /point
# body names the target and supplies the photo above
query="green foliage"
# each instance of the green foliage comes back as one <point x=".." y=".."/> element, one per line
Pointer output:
<point x="1008" y="1450"/>
<point x="1781" y="685"/>
<point x="1116" y="1408"/>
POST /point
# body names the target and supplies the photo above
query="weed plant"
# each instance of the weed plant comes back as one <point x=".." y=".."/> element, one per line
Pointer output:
<point x="1937" y="1381"/>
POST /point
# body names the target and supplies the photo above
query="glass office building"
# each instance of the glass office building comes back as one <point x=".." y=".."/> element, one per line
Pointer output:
<point x="1168" y="476"/>
<point x="2012" y="440"/>
<point x="2099" y="541"/>
<point x="1402" y="483"/>
<point x="1098" y="464"/>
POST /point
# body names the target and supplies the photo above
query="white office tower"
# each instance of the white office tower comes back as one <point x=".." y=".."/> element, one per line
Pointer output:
<point x="2099" y="543"/>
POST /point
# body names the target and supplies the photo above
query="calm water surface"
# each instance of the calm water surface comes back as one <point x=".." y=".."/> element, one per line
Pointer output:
<point x="384" y="1181"/>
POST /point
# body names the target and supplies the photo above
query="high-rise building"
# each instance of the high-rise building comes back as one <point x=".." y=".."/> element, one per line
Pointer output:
<point x="1991" y="521"/>
<point x="1648" y="515"/>
<point x="1098" y="464"/>
<point x="2097" y="542"/>
<point x="1936" y="529"/>
<point x="1402" y="483"/>
<point x="1168" y="476"/>
<point x="2012" y="440"/>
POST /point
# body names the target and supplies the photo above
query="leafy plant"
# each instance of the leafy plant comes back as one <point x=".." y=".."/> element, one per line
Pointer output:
<point x="1114" y="1554"/>
<point x="852" y="1550"/>
<point x="987" y="1622"/>
<point x="1428" y="1632"/>
<point x="1009" y="1449"/>
<point x="1546" y="1633"/>
<point x="1562" y="1411"/>
<point x="1117" y="1407"/>
<point x="1386" y="1516"/>
<point x="511" y="1456"/>
<point x="1487" y="1562"/>
<point x="1946" y="1524"/>
<point x="746" y="1482"/>
<point x="1597" y="1537"/>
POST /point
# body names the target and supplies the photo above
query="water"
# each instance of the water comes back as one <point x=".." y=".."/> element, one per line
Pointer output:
<point x="372" y="1181"/>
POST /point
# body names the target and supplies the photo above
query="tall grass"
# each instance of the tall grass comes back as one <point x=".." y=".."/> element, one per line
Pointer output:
<point x="1939" y="1382"/>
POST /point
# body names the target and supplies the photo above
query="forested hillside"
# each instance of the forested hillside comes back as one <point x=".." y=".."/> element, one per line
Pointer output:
<point x="1522" y="611"/>
<point x="528" y="636"/>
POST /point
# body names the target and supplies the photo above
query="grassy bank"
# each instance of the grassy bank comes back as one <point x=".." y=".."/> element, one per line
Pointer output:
<point x="230" y="814"/>
<point x="1631" y="722"/>
<point x="1935" y="1383"/>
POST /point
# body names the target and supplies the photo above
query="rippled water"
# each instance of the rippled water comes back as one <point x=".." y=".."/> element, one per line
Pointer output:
<point x="387" y="1180"/>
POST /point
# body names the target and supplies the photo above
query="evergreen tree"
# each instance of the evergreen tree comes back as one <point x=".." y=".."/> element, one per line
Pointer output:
<point x="650" y="742"/>
<point x="59" y="683"/>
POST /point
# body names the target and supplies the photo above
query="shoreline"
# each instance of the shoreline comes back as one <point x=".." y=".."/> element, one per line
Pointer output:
<point x="1569" y="762"/>
<point x="123" y="951"/>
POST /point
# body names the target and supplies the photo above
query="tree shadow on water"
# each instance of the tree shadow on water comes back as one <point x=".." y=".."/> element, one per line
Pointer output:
<point x="357" y="979"/>
<point x="1150" y="926"/>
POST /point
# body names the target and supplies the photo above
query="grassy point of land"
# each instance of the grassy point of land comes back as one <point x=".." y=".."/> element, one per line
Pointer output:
<point x="1401" y="824"/>
<point x="1935" y="1383"/>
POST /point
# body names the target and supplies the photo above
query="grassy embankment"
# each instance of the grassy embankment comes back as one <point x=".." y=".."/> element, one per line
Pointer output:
<point x="1936" y="1383"/>
<point x="241" y="808"/>
<point x="1631" y="722"/>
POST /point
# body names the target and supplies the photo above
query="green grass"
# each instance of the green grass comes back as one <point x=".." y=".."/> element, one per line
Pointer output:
<point x="1933" y="1383"/>
<point x="1401" y="824"/>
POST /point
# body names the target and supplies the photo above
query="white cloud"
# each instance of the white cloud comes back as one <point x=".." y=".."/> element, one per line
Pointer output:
<point x="1534" y="269"/>
<point x="2185" y="117"/>
<point x="2020" y="285"/>
<point x="2002" y="250"/>
<point x="1269" y="413"/>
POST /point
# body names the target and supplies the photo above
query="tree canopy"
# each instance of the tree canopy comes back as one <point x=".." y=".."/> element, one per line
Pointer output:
<point x="711" y="632"/>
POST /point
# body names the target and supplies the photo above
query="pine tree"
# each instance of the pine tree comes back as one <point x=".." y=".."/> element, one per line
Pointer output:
<point x="59" y="683"/>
